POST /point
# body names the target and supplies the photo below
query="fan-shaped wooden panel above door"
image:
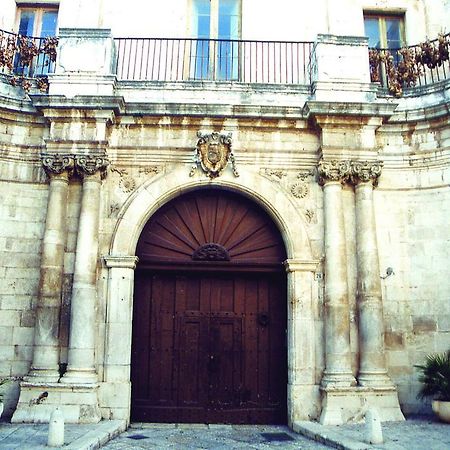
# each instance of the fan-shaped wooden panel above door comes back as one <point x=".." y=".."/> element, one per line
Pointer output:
<point x="213" y="226"/>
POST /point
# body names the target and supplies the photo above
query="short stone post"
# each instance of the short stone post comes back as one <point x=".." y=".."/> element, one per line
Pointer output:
<point x="374" y="434"/>
<point x="56" y="429"/>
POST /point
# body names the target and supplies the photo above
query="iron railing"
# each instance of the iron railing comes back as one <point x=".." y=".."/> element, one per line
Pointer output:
<point x="27" y="56"/>
<point x="161" y="59"/>
<point x="414" y="66"/>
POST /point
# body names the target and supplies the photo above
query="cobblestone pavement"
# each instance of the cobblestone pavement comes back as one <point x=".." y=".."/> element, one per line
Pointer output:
<point x="217" y="437"/>
<point x="21" y="437"/>
<point x="416" y="433"/>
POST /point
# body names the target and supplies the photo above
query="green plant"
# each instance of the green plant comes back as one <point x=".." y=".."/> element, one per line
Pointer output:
<point x="435" y="376"/>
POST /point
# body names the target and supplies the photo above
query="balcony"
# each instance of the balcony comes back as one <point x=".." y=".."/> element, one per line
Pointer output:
<point x="27" y="61"/>
<point x="417" y="66"/>
<point x="268" y="62"/>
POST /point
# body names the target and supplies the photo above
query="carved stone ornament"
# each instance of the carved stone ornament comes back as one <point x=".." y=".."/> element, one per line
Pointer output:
<point x="127" y="184"/>
<point x="57" y="164"/>
<point x="333" y="170"/>
<point x="150" y="170"/>
<point x="365" y="171"/>
<point x="211" y="252"/>
<point x="299" y="189"/>
<point x="213" y="152"/>
<point x="89" y="165"/>
<point x="276" y="173"/>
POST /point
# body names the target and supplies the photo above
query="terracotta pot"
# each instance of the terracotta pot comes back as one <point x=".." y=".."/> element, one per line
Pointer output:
<point x="442" y="409"/>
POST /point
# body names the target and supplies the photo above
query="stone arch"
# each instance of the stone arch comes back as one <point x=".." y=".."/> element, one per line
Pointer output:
<point x="149" y="197"/>
<point x="303" y="391"/>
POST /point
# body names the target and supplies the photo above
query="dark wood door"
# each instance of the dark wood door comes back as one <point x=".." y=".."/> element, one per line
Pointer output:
<point x="209" y="323"/>
<point x="209" y="348"/>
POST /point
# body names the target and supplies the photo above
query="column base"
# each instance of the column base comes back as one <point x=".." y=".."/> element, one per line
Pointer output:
<point x="42" y="376"/>
<point x="349" y="405"/>
<point x="374" y="379"/>
<point x="81" y="377"/>
<point x="337" y="379"/>
<point x="78" y="403"/>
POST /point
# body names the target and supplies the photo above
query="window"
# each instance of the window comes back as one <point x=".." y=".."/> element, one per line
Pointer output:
<point x="38" y="23"/>
<point x="384" y="31"/>
<point x="215" y="25"/>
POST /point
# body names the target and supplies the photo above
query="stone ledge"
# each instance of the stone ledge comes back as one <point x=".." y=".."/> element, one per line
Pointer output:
<point x="103" y="433"/>
<point x="318" y="433"/>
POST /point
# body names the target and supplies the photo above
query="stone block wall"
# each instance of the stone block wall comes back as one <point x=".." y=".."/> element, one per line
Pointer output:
<point x="22" y="208"/>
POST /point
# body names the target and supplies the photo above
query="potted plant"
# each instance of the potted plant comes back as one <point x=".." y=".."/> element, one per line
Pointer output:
<point x="435" y="379"/>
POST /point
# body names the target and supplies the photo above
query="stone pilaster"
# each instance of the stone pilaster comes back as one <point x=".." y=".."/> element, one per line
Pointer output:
<point x="81" y="357"/>
<point x="338" y="370"/>
<point x="372" y="367"/>
<point x="45" y="364"/>
<point x="303" y="392"/>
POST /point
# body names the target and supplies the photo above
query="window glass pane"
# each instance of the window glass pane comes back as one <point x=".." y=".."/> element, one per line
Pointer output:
<point x="228" y="19"/>
<point x="49" y="23"/>
<point x="26" y="24"/>
<point x="393" y="32"/>
<point x="201" y="19"/>
<point x="372" y="31"/>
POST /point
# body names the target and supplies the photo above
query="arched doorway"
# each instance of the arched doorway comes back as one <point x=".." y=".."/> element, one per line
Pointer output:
<point x="209" y="315"/>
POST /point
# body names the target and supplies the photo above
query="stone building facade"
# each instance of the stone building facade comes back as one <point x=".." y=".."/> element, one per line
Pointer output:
<point x="354" y="180"/>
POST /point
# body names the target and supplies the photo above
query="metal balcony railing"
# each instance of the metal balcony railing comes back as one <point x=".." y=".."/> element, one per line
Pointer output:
<point x="414" y="66"/>
<point x="160" y="59"/>
<point x="27" y="56"/>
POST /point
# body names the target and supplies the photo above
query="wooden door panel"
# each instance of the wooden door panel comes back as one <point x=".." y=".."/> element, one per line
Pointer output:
<point x="202" y="353"/>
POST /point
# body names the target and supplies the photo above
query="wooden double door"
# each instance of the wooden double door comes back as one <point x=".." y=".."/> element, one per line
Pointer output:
<point x="209" y="347"/>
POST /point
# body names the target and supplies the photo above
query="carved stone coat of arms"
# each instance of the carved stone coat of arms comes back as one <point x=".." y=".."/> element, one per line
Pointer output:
<point x="213" y="152"/>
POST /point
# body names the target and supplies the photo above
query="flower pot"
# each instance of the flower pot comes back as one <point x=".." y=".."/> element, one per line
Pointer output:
<point x="442" y="409"/>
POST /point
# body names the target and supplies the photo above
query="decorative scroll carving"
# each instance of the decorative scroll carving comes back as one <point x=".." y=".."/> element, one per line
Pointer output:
<point x="276" y="173"/>
<point x="213" y="152"/>
<point x="150" y="170"/>
<point x="310" y="215"/>
<point x="57" y="164"/>
<point x="211" y="252"/>
<point x="89" y="165"/>
<point x="365" y="171"/>
<point x="333" y="170"/>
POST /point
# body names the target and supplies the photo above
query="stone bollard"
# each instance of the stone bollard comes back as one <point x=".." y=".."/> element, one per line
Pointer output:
<point x="374" y="434"/>
<point x="56" y="429"/>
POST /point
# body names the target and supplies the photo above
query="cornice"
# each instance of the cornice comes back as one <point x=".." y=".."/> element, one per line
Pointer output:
<point x="60" y="103"/>
<point x="383" y="109"/>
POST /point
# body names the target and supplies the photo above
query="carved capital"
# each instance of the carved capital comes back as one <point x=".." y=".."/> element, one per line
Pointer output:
<point x="57" y="164"/>
<point x="333" y="170"/>
<point x="365" y="171"/>
<point x="87" y="165"/>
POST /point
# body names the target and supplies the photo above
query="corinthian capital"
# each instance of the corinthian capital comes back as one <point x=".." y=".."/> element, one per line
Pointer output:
<point x="333" y="170"/>
<point x="57" y="164"/>
<point x="89" y="165"/>
<point x="366" y="171"/>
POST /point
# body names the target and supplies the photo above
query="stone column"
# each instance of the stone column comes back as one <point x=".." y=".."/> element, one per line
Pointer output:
<point x="81" y="357"/>
<point x="372" y="370"/>
<point x="45" y="365"/>
<point x="338" y="372"/>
